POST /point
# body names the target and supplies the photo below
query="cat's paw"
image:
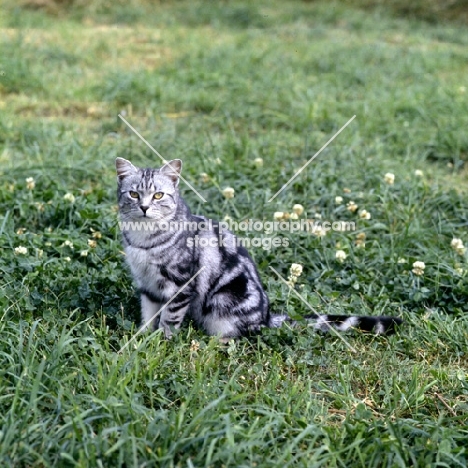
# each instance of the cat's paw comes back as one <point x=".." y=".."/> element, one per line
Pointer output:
<point x="226" y="339"/>
<point x="168" y="330"/>
<point x="146" y="328"/>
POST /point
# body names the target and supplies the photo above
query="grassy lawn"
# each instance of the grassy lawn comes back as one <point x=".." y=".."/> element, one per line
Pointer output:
<point x="220" y="85"/>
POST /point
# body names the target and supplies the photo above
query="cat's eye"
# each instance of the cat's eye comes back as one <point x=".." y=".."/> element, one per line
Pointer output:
<point x="158" y="195"/>
<point x="134" y="194"/>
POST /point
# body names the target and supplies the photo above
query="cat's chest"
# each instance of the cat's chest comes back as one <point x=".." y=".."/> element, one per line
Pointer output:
<point x="145" y="267"/>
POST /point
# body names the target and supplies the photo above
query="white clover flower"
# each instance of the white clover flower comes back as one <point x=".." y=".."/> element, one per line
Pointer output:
<point x="228" y="192"/>
<point x="460" y="271"/>
<point x="340" y="256"/>
<point x="418" y="268"/>
<point x="360" y="240"/>
<point x="294" y="272"/>
<point x="39" y="252"/>
<point x="296" y="269"/>
<point x="69" y="197"/>
<point x="389" y="178"/>
<point x="418" y="173"/>
<point x="298" y="209"/>
<point x="95" y="234"/>
<point x="318" y="231"/>
<point x="317" y="216"/>
<point x="84" y="253"/>
<point x="30" y="183"/>
<point x="402" y="260"/>
<point x="277" y="215"/>
<point x="457" y="245"/>
<point x="364" y="214"/>
<point x="338" y="200"/>
<point x="351" y="206"/>
<point x="21" y="250"/>
<point x="92" y="243"/>
<point x="258" y="162"/>
<point x="293" y="216"/>
<point x="67" y="259"/>
<point x="67" y="243"/>
<point x="194" y="346"/>
<point x="204" y="177"/>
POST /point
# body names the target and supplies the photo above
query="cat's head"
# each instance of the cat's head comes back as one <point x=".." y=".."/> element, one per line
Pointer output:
<point x="148" y="193"/>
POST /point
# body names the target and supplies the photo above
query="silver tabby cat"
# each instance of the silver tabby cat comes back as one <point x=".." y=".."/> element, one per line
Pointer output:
<point x="217" y="285"/>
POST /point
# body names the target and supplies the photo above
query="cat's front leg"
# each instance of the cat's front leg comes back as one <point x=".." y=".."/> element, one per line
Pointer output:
<point x="172" y="317"/>
<point x="149" y="312"/>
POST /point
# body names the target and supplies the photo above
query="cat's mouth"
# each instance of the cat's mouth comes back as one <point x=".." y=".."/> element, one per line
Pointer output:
<point x="131" y="215"/>
<point x="152" y="217"/>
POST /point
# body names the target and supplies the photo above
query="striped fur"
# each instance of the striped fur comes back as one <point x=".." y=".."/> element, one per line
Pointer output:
<point x="226" y="297"/>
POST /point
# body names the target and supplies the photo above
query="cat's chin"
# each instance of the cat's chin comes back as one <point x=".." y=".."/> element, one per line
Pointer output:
<point x="138" y="217"/>
<point x="153" y="218"/>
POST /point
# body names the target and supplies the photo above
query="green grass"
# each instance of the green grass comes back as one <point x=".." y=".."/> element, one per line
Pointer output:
<point x="219" y="85"/>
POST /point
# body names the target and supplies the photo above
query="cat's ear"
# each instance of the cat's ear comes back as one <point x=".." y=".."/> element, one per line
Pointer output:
<point x="172" y="170"/>
<point x="124" y="168"/>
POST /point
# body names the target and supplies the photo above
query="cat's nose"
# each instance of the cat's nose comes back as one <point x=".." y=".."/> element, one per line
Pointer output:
<point x="144" y="208"/>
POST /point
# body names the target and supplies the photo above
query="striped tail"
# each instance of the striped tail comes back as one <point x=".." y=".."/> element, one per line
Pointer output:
<point x="378" y="325"/>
